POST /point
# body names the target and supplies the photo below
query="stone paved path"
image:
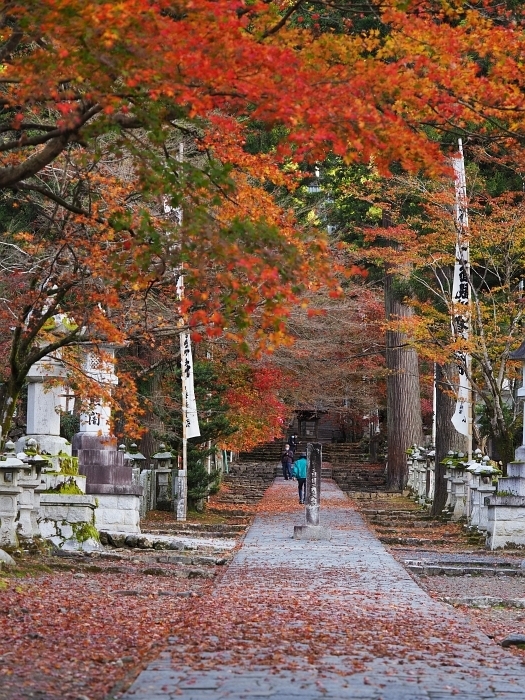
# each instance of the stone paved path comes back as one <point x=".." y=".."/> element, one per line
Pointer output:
<point x="294" y="620"/>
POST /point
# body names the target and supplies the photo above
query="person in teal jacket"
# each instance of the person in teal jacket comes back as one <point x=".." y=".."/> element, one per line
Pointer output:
<point x="299" y="471"/>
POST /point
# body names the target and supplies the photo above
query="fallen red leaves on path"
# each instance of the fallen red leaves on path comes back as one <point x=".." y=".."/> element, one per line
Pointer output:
<point x="65" y="634"/>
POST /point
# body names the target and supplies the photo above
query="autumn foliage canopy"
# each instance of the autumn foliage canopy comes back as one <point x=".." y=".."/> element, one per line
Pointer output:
<point x="102" y="208"/>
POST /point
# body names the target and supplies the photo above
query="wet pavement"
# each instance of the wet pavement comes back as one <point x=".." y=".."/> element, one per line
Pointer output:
<point x="333" y="619"/>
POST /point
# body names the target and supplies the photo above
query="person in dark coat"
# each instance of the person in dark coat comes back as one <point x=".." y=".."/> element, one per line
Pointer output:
<point x="287" y="462"/>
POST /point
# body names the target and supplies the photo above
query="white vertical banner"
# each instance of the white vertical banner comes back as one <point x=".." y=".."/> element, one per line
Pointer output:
<point x="191" y="418"/>
<point x="460" y="419"/>
<point x="461" y="295"/>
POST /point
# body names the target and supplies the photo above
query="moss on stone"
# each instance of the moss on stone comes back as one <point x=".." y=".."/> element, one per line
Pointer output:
<point x="68" y="464"/>
<point x="85" y="531"/>
<point x="68" y="487"/>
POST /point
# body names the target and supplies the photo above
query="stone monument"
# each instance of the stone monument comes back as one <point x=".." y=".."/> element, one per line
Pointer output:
<point x="44" y="405"/>
<point x="108" y="478"/>
<point x="313" y="530"/>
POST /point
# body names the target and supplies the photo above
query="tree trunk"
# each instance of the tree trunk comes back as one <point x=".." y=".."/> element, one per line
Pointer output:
<point x="447" y="437"/>
<point x="502" y="435"/>
<point x="404" y="422"/>
<point x="9" y="393"/>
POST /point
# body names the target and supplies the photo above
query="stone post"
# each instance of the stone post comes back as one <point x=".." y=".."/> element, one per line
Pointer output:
<point x="431" y="474"/>
<point x="313" y="483"/>
<point x="312" y="530"/>
<point x="448" y="504"/>
<point x="421" y="471"/>
<point x="473" y="500"/>
<point x="486" y="490"/>
<point x="459" y="494"/>
<point x="411" y="473"/>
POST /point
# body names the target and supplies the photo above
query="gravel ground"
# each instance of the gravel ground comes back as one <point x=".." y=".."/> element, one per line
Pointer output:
<point x="507" y="587"/>
<point x="511" y="557"/>
<point x="497" y="622"/>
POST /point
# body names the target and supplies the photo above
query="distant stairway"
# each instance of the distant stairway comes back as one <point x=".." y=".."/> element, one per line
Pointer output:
<point x="343" y="462"/>
<point x="243" y="488"/>
<point x="267" y="452"/>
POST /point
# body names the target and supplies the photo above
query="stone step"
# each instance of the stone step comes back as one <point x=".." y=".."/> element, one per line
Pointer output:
<point x="394" y="532"/>
<point x="396" y="515"/>
<point x="451" y="570"/>
<point x="191" y="560"/>
<point x="419" y="542"/>
<point x="204" y="527"/>
<point x="230" y="512"/>
<point x="373" y="495"/>
<point x="198" y="533"/>
<point x="409" y="525"/>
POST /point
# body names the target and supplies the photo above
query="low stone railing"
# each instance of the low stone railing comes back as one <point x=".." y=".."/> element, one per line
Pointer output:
<point x="469" y="485"/>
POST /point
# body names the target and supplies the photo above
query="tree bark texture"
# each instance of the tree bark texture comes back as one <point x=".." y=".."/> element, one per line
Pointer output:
<point x="404" y="421"/>
<point x="447" y="437"/>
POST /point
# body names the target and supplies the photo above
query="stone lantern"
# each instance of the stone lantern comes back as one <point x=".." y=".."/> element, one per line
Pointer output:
<point x="164" y="478"/>
<point x="10" y="470"/>
<point x="481" y="488"/>
<point x="456" y="477"/>
<point x="133" y="456"/>
<point x="29" y="499"/>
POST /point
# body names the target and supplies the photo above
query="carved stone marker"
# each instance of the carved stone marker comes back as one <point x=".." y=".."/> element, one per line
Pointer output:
<point x="108" y="478"/>
<point x="313" y="530"/>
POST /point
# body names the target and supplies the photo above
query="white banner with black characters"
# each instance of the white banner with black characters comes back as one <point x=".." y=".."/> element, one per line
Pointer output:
<point x="461" y="294"/>
<point x="191" y="418"/>
<point x="460" y="417"/>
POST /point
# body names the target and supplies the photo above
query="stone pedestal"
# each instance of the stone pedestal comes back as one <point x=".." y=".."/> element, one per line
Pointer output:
<point x="118" y="513"/>
<point x="69" y="521"/>
<point x="506" y="513"/>
<point x="110" y="481"/>
<point x="311" y="532"/>
<point x="506" y="521"/>
<point x="107" y="476"/>
<point x="514" y="482"/>
<point x="485" y="492"/>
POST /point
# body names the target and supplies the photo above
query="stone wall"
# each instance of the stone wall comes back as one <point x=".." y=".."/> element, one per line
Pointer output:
<point x="118" y="512"/>
<point x="68" y="521"/>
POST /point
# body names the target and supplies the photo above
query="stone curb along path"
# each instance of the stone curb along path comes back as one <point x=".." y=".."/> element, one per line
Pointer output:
<point x="334" y="619"/>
